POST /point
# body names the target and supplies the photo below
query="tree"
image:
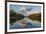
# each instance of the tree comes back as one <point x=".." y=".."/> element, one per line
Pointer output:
<point x="36" y="16"/>
<point x="15" y="16"/>
<point x="12" y="13"/>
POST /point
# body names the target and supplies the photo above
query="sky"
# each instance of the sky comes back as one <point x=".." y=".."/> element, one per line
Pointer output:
<point x="18" y="7"/>
<point x="25" y="9"/>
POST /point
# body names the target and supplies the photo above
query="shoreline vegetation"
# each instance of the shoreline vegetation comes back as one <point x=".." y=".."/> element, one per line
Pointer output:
<point x="36" y="17"/>
<point x="16" y="16"/>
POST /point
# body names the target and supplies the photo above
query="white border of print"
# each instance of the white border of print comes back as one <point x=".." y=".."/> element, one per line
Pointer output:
<point x="29" y="29"/>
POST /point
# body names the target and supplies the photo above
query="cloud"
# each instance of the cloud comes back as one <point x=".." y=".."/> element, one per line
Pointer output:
<point x="27" y="11"/>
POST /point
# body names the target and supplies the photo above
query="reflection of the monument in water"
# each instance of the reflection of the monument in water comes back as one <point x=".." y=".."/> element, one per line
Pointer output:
<point x="25" y="23"/>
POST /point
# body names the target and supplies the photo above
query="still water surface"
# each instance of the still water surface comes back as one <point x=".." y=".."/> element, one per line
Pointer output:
<point x="25" y="23"/>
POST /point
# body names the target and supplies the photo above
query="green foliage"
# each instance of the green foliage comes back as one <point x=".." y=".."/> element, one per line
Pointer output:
<point x="12" y="13"/>
<point x="36" y="16"/>
<point x="15" y="16"/>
